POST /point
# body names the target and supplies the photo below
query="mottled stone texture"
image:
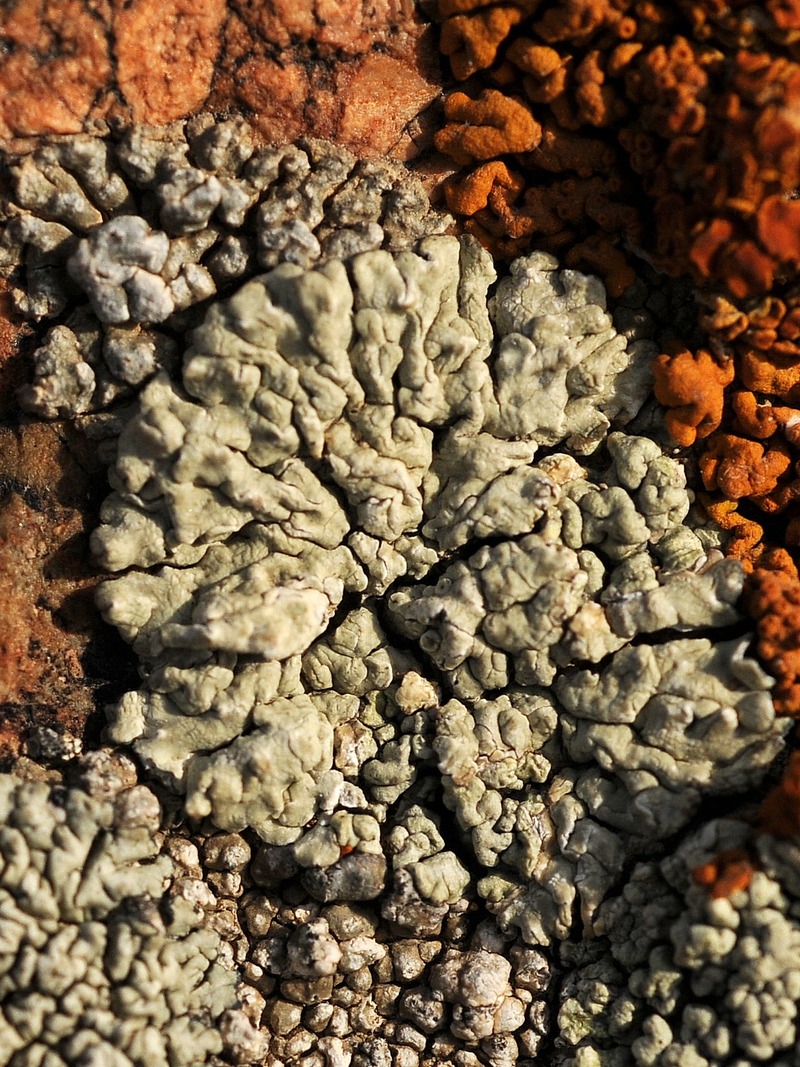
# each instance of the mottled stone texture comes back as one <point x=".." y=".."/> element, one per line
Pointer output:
<point x="47" y="620"/>
<point x="353" y="71"/>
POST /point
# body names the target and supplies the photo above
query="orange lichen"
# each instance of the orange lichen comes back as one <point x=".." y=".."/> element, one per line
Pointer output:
<point x="729" y="871"/>
<point x="778" y="816"/>
<point x="778" y="227"/>
<point x="696" y="104"/>
<point x="471" y="195"/>
<point x="773" y="599"/>
<point x="746" y="534"/>
<point x="691" y="386"/>
<point x="762" y="419"/>
<point x="765" y="336"/>
<point x="769" y="372"/>
<point x="563" y="151"/>
<point x="471" y="41"/>
<point x="490" y="126"/>
<point x="578" y="20"/>
<point x="598" y="253"/>
<point x="738" y="467"/>
<point x="670" y="81"/>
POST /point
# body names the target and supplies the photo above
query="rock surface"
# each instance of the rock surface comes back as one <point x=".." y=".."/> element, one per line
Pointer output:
<point x="315" y="68"/>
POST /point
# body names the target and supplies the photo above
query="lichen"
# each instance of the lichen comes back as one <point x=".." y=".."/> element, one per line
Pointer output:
<point x="434" y="646"/>
<point x="683" y="977"/>
<point x="216" y="207"/>
<point x="380" y="401"/>
<point x="95" y="968"/>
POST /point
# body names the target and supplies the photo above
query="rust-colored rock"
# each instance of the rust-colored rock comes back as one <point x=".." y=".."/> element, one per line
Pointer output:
<point x="323" y="67"/>
<point x="365" y="121"/>
<point x="13" y="365"/>
<point x="165" y="55"/>
<point x="49" y="626"/>
<point x="55" y="64"/>
<point x="316" y="67"/>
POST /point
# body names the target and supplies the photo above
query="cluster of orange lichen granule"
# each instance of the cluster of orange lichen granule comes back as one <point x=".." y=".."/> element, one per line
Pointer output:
<point x="601" y="128"/>
<point x="779" y="816"/>
<point x="741" y="399"/>
<point x="606" y="130"/>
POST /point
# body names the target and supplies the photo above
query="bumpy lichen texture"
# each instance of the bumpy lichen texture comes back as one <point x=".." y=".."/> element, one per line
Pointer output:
<point x="597" y="108"/>
<point x="342" y="498"/>
<point x="614" y="131"/>
<point x="681" y="977"/>
<point x="80" y="249"/>
<point x="94" y="969"/>
<point x="433" y="647"/>
<point x="742" y="401"/>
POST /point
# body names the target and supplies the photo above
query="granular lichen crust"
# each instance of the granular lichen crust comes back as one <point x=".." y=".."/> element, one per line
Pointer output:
<point x="158" y="220"/>
<point x="681" y="977"/>
<point x="93" y="969"/>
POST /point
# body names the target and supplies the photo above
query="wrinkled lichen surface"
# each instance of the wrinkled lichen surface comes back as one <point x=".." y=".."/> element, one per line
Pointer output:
<point x="93" y="968"/>
<point x="434" y="649"/>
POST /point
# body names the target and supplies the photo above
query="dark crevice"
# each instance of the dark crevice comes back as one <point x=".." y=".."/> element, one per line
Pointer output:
<point x="31" y="496"/>
<point x="713" y="634"/>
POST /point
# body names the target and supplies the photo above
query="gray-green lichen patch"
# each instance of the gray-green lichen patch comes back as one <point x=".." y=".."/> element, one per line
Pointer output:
<point x="93" y="969"/>
<point x="358" y="552"/>
<point x="679" y="977"/>
<point x="139" y="229"/>
<point x="437" y="659"/>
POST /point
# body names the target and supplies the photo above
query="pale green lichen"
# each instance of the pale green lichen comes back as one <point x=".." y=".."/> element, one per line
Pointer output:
<point x="339" y="433"/>
<point x="93" y="969"/>
<point x="416" y="601"/>
<point x="684" y="978"/>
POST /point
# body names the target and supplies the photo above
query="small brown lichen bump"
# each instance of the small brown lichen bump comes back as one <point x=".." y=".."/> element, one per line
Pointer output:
<point x="779" y="815"/>
<point x="492" y="125"/>
<point x="773" y="599"/>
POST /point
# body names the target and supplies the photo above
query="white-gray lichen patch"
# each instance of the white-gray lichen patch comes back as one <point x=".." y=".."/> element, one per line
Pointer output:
<point x="350" y="491"/>
<point x="139" y="228"/>
<point x="431" y="642"/>
<point x="682" y="977"/>
<point x="93" y="969"/>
